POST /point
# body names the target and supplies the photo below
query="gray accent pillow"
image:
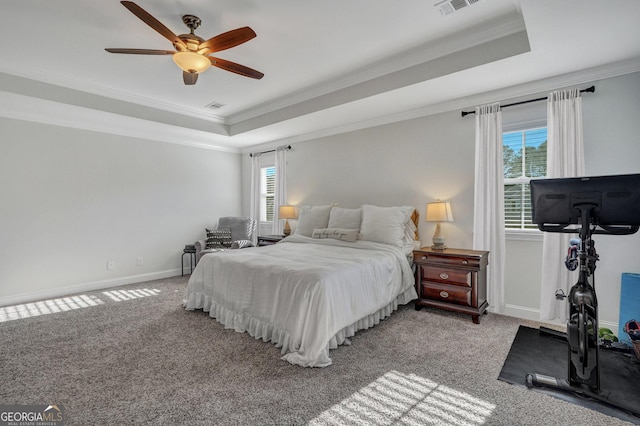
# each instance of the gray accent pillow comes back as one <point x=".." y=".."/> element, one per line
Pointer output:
<point x="344" y="218"/>
<point x="384" y="224"/>
<point x="312" y="217"/>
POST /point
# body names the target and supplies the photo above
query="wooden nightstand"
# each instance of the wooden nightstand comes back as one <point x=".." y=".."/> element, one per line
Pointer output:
<point x="452" y="279"/>
<point x="267" y="240"/>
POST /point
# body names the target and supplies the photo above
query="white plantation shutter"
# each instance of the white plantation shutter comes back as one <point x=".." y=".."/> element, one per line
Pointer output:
<point x="525" y="157"/>
<point x="267" y="193"/>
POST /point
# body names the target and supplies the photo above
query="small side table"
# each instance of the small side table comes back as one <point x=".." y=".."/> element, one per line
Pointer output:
<point x="192" y="258"/>
<point x="267" y="240"/>
<point x="452" y="279"/>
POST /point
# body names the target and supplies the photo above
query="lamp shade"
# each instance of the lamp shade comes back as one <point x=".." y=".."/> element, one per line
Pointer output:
<point x="287" y="212"/>
<point x="439" y="211"/>
<point x="191" y="61"/>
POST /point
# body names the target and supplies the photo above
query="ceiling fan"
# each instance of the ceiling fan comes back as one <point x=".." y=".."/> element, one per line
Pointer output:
<point x="191" y="53"/>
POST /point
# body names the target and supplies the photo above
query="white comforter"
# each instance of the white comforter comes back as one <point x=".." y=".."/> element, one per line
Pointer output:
<point x="305" y="295"/>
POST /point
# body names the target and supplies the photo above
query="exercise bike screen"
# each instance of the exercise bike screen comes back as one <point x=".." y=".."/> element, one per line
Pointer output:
<point x="615" y="200"/>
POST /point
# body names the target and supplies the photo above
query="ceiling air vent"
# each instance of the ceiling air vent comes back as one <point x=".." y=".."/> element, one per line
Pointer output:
<point x="449" y="6"/>
<point x="214" y="105"/>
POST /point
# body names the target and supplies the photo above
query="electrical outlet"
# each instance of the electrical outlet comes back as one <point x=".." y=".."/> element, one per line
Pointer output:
<point x="111" y="264"/>
<point x="140" y="261"/>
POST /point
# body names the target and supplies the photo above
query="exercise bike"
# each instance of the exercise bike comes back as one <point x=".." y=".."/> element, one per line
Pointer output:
<point x="582" y="326"/>
<point x="599" y="205"/>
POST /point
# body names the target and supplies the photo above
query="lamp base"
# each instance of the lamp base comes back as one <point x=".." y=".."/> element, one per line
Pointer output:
<point x="438" y="241"/>
<point x="287" y="229"/>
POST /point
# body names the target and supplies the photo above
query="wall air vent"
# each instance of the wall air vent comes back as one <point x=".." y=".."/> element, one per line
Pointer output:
<point x="214" y="105"/>
<point x="449" y="6"/>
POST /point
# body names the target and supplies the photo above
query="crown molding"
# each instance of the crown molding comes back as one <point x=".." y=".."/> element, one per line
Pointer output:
<point x="25" y="108"/>
<point x="586" y="76"/>
<point x="41" y="75"/>
<point x="500" y="27"/>
<point x="507" y="94"/>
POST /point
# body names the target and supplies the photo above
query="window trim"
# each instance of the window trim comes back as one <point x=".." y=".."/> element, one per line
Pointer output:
<point x="524" y="125"/>
<point x="523" y="234"/>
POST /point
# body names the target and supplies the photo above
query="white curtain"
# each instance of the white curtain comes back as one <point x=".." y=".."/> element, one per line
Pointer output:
<point x="488" y="217"/>
<point x="565" y="158"/>
<point x="280" y="195"/>
<point x="255" y="192"/>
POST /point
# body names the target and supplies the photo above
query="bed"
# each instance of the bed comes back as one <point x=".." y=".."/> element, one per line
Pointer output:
<point x="343" y="270"/>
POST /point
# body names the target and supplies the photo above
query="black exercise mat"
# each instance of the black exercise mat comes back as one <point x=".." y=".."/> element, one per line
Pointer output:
<point x="533" y="351"/>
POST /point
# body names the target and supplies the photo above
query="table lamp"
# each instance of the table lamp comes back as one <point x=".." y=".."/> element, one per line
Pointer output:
<point x="438" y="211"/>
<point x="287" y="212"/>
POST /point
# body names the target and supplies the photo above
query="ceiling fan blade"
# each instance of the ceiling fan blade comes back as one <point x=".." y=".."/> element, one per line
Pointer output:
<point x="236" y="68"/>
<point x="228" y="40"/>
<point x="152" y="22"/>
<point x="189" y="78"/>
<point x="141" y="51"/>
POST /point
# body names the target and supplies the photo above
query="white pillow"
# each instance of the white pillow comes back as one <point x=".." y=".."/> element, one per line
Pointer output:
<point x="344" y="218"/>
<point x="312" y="217"/>
<point x="384" y="224"/>
<point x="349" y="235"/>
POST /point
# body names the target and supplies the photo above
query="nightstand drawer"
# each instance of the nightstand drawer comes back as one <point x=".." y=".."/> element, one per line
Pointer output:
<point x="446" y="275"/>
<point x="471" y="262"/>
<point x="447" y="293"/>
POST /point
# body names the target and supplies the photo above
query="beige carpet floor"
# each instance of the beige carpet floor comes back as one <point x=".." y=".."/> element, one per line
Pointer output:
<point x="133" y="355"/>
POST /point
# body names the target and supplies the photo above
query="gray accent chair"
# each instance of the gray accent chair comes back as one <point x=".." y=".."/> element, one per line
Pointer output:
<point x="242" y="232"/>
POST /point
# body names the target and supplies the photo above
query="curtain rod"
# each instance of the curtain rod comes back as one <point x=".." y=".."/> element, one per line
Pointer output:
<point x="287" y="147"/>
<point x="591" y="89"/>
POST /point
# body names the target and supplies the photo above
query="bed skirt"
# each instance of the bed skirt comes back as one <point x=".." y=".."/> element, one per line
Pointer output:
<point x="244" y="323"/>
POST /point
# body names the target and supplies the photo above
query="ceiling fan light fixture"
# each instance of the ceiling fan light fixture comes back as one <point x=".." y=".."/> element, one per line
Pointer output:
<point x="191" y="62"/>
<point x="192" y="50"/>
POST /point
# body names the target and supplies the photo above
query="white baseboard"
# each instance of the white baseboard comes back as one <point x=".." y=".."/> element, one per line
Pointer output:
<point x="525" y="313"/>
<point x="608" y="324"/>
<point x="534" y="315"/>
<point x="16" y="299"/>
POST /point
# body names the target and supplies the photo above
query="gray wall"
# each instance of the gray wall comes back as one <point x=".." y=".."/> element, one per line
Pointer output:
<point x="612" y="146"/>
<point x="419" y="160"/>
<point x="73" y="199"/>
<point x="407" y="163"/>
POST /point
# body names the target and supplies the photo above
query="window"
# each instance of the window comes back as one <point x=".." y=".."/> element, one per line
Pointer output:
<point x="267" y="193"/>
<point x="525" y="157"/>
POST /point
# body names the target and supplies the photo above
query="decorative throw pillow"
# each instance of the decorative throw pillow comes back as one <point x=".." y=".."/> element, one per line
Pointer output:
<point x="384" y="224"/>
<point x="312" y="217"/>
<point x="218" y="238"/>
<point x="344" y="218"/>
<point x="349" y="235"/>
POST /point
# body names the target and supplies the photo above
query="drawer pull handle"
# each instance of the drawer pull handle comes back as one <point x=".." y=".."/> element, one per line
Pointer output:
<point x="465" y="262"/>
<point x="444" y="294"/>
<point x="423" y="258"/>
<point x="444" y="275"/>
